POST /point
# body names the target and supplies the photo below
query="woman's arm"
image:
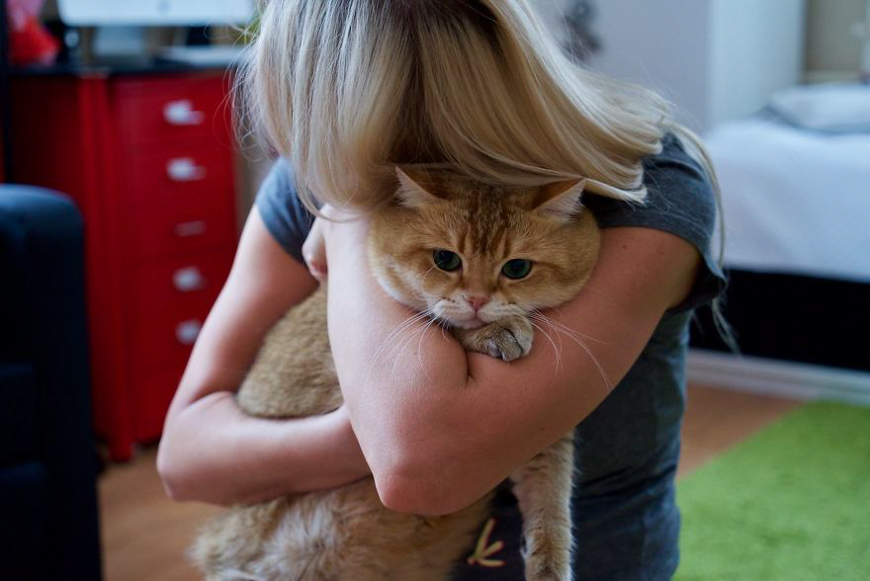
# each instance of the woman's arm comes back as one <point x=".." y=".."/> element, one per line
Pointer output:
<point x="210" y="450"/>
<point x="439" y="428"/>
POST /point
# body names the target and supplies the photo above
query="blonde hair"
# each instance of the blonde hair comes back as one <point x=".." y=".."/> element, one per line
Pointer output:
<point x="347" y="89"/>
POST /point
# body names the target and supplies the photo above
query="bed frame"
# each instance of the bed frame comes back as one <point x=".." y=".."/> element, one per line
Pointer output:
<point x="798" y="335"/>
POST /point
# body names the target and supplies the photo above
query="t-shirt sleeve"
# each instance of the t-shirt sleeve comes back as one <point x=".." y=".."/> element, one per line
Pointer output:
<point x="285" y="216"/>
<point x="680" y="201"/>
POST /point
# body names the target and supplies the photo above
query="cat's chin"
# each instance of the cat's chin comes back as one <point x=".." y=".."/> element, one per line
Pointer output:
<point x="471" y="323"/>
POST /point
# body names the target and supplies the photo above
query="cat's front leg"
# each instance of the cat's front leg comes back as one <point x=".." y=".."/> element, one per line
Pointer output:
<point x="508" y="339"/>
<point x="543" y="489"/>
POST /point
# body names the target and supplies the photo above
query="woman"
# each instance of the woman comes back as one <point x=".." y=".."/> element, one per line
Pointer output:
<point x="347" y="89"/>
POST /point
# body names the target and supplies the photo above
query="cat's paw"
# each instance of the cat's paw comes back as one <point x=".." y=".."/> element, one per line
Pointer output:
<point x="539" y="569"/>
<point x="507" y="339"/>
<point x="548" y="555"/>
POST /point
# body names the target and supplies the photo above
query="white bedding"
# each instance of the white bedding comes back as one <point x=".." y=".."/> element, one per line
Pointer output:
<point x="795" y="201"/>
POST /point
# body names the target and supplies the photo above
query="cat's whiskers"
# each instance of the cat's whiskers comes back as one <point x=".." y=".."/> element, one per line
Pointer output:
<point x="389" y="340"/>
<point x="422" y="285"/>
<point x="565" y="327"/>
<point x="557" y="350"/>
<point x="403" y="326"/>
<point x="420" y="347"/>
<point x="506" y="310"/>
<point x="573" y="335"/>
<point x="450" y="311"/>
<point x="397" y="360"/>
<point x="421" y="331"/>
<point x="399" y="348"/>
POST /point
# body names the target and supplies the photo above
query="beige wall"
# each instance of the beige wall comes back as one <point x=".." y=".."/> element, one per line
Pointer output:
<point x="831" y="47"/>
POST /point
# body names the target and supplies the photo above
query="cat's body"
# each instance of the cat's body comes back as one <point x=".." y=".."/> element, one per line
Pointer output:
<point x="346" y="534"/>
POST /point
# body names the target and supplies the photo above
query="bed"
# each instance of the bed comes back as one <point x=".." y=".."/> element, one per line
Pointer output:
<point x="797" y="211"/>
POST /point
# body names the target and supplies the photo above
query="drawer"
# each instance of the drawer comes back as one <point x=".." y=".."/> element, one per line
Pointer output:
<point x="167" y="109"/>
<point x="182" y="231"/>
<point x="180" y="176"/>
<point x="169" y="303"/>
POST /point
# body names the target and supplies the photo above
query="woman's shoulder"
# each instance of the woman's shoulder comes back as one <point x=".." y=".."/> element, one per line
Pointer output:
<point x="285" y="216"/>
<point x="680" y="200"/>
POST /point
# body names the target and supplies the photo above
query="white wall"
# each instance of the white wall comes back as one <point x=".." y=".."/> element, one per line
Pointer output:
<point x="663" y="45"/>
<point x="715" y="59"/>
<point x="757" y="48"/>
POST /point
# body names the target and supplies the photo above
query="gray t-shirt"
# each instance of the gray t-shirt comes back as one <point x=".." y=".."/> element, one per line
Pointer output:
<point x="627" y="448"/>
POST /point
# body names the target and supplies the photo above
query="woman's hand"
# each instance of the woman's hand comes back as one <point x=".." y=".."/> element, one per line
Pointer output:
<point x="314" y="249"/>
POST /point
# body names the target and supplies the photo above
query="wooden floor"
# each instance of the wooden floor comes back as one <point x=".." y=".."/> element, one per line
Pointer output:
<point x="145" y="535"/>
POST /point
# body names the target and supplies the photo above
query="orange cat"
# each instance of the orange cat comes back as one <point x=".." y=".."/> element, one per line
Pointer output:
<point x="481" y="261"/>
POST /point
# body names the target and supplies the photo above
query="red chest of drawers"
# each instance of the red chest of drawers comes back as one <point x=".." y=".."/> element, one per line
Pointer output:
<point x="149" y="160"/>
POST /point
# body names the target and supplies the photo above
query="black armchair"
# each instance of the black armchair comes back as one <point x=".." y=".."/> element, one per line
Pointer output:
<point x="48" y="507"/>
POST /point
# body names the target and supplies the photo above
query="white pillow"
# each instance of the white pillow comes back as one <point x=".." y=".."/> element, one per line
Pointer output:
<point x="829" y="107"/>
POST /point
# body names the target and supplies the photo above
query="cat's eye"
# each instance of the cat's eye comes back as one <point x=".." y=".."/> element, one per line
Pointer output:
<point x="517" y="268"/>
<point x="446" y="260"/>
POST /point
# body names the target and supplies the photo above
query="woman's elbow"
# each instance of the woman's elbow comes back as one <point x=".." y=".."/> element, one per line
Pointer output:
<point x="170" y="474"/>
<point x="180" y="483"/>
<point x="423" y="490"/>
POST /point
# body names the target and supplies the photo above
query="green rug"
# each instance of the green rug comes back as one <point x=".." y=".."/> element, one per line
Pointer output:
<point x="791" y="503"/>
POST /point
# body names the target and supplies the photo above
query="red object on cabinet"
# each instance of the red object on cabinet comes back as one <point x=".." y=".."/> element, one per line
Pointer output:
<point x="149" y="160"/>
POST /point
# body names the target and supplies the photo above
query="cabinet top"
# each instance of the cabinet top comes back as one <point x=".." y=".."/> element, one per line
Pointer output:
<point x="114" y="68"/>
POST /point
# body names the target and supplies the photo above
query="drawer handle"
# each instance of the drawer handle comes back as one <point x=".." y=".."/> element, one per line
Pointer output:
<point x="188" y="279"/>
<point x="182" y="114"/>
<point x="189" y="229"/>
<point x="184" y="169"/>
<point x="187" y="331"/>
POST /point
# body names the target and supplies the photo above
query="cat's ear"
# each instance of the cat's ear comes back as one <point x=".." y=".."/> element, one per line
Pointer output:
<point x="561" y="200"/>
<point x="410" y="193"/>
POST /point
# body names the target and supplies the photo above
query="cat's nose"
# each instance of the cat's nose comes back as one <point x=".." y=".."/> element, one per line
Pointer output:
<point x="477" y="303"/>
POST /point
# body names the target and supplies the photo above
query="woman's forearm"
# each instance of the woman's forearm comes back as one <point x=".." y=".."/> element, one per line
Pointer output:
<point x="212" y="452"/>
<point x="425" y="425"/>
<point x="394" y="373"/>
